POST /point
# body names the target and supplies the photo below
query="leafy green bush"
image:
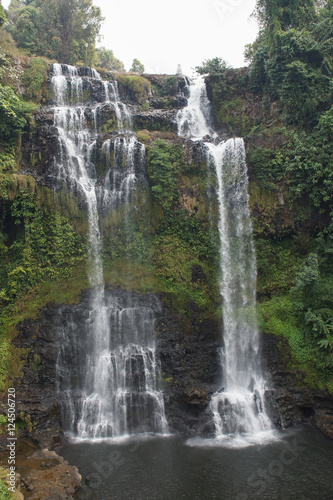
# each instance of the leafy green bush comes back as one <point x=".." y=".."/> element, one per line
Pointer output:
<point x="34" y="78"/>
<point x="213" y="67"/>
<point x="9" y="73"/>
<point x="106" y="60"/>
<point x="3" y="488"/>
<point x="164" y="165"/>
<point x="14" y="113"/>
<point x="3" y="18"/>
<point x="170" y="86"/>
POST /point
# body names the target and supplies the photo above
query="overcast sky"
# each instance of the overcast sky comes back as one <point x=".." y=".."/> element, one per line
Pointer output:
<point x="164" y="34"/>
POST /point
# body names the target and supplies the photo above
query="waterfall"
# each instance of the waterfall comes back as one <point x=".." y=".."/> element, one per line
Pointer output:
<point x="114" y="391"/>
<point x="238" y="408"/>
<point x="194" y="120"/>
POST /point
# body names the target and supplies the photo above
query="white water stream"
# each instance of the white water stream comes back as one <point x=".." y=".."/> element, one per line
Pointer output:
<point x="238" y="408"/>
<point x="116" y="393"/>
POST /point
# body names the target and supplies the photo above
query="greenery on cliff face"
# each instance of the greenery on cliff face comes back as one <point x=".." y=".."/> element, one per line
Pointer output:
<point x="185" y="245"/>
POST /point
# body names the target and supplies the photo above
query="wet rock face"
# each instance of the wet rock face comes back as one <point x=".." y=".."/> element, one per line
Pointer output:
<point x="293" y="401"/>
<point x="36" y="388"/>
<point x="189" y="363"/>
<point x="191" y="372"/>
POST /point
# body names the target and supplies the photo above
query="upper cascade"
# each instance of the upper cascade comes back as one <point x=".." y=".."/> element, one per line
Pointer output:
<point x="77" y="87"/>
<point x="194" y="121"/>
<point x="238" y="408"/>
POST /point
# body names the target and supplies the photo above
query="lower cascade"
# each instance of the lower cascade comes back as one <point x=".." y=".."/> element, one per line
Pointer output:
<point x="238" y="407"/>
<point x="107" y="367"/>
<point x="112" y="391"/>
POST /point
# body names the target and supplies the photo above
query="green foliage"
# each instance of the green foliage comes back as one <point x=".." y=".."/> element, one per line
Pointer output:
<point x="105" y="59"/>
<point x="137" y="67"/>
<point x="7" y="161"/>
<point x="277" y="263"/>
<point x="313" y="297"/>
<point x="267" y="164"/>
<point x="170" y="86"/>
<point x="278" y="317"/>
<point x="291" y="59"/>
<point x="9" y="74"/>
<point x="164" y="165"/>
<point x="129" y="236"/>
<point x="174" y="260"/>
<point x="309" y="274"/>
<point x="14" y="113"/>
<point x="226" y="93"/>
<point x="26" y="421"/>
<point x="213" y="67"/>
<point x="142" y="136"/>
<point x="3" y="18"/>
<point x="196" y="232"/>
<point x="34" y="78"/>
<point x="3" y="423"/>
<point x="137" y="85"/>
<point x="279" y="14"/>
<point x="259" y="80"/>
<point x="4" y="357"/>
<point x="62" y="29"/>
<point x="46" y="246"/>
<point x="309" y="165"/>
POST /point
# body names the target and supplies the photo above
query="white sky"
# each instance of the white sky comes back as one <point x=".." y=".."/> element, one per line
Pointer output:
<point x="186" y="32"/>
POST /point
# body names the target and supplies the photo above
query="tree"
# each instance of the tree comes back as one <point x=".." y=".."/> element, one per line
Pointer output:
<point x="137" y="67"/>
<point x="106" y="59"/>
<point x="179" y="70"/>
<point x="282" y="14"/>
<point x="2" y="16"/>
<point x="65" y="30"/>
<point x="216" y="66"/>
<point x="14" y="113"/>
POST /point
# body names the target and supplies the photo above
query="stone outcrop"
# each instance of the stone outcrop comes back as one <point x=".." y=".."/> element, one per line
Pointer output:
<point x="294" y="402"/>
<point x="53" y="478"/>
<point x="191" y="370"/>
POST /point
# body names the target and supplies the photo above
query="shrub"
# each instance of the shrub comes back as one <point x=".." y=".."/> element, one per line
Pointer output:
<point x="33" y="79"/>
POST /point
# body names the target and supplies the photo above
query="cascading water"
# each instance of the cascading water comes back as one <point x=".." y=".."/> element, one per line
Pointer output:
<point x="114" y="390"/>
<point x="239" y="406"/>
<point x="194" y="121"/>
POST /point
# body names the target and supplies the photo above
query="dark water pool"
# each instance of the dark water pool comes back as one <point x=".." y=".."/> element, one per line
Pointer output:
<point x="297" y="467"/>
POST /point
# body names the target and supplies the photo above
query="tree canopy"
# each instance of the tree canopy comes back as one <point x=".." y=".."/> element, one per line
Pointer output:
<point x="65" y="30"/>
<point x="284" y="14"/>
<point x="292" y="58"/>
<point x="106" y="59"/>
<point x="213" y="67"/>
<point x="2" y="16"/>
<point x="137" y="67"/>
